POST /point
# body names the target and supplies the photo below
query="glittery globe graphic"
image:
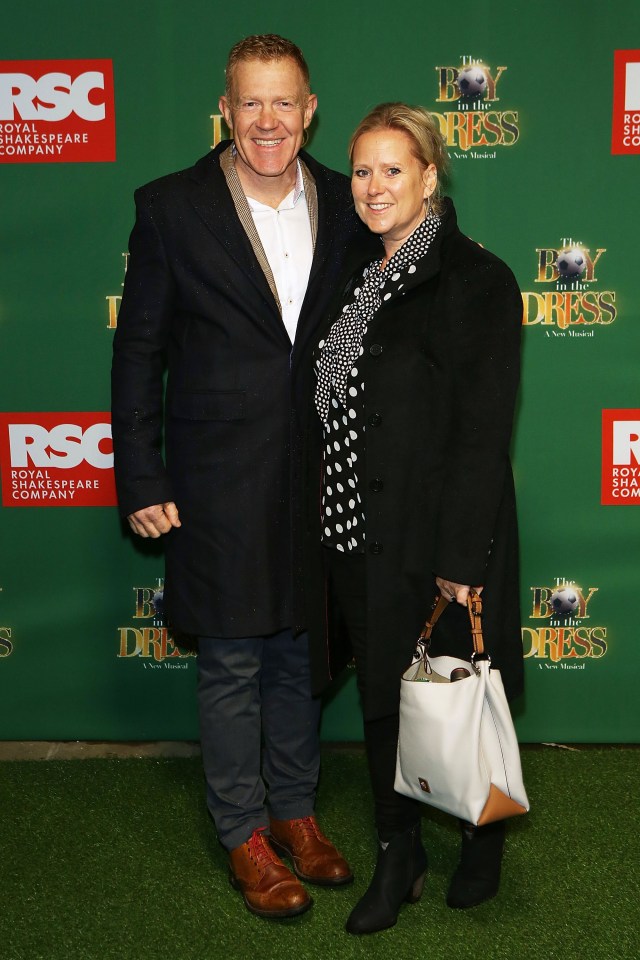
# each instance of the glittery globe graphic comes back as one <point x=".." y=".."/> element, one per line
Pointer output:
<point x="564" y="601"/>
<point x="571" y="263"/>
<point x="158" y="603"/>
<point x="472" y="81"/>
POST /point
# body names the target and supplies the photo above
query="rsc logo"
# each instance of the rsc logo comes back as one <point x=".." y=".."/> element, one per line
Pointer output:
<point x="66" y="445"/>
<point x="52" y="96"/>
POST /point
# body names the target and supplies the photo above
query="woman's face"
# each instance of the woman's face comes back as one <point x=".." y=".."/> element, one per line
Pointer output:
<point x="389" y="185"/>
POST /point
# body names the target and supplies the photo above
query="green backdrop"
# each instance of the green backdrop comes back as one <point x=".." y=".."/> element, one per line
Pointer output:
<point x="83" y="654"/>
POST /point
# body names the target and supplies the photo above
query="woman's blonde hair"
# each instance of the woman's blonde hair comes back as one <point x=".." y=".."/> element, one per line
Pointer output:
<point x="427" y="143"/>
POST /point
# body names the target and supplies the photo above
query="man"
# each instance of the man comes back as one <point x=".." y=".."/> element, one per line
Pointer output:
<point x="231" y="265"/>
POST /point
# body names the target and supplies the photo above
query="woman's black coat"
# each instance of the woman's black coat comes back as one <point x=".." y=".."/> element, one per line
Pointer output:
<point x="441" y="370"/>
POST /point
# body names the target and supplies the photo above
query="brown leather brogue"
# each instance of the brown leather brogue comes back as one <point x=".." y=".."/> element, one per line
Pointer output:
<point x="313" y="857"/>
<point x="268" y="887"/>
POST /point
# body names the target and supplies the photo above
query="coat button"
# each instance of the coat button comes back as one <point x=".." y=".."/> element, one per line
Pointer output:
<point x="376" y="485"/>
<point x="375" y="349"/>
<point x="375" y="419"/>
<point x="375" y="548"/>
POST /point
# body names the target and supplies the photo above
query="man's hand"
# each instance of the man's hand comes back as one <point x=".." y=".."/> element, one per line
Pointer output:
<point x="154" y="521"/>
<point x="455" y="591"/>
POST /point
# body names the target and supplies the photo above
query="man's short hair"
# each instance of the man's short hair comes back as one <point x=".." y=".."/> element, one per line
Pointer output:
<point x="265" y="47"/>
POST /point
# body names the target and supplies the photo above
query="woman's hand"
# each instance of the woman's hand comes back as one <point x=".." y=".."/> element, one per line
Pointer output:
<point x="455" y="591"/>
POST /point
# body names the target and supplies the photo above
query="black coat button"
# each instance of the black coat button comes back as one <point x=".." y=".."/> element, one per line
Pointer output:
<point x="375" y="349"/>
<point x="375" y="419"/>
<point x="375" y="548"/>
<point x="376" y="485"/>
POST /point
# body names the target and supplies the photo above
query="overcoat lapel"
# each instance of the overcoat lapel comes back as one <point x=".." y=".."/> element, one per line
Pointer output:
<point x="214" y="204"/>
<point x="323" y="212"/>
<point x="245" y="217"/>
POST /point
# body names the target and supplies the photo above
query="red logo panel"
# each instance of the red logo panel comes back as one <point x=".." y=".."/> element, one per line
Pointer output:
<point x="620" y="457"/>
<point x="625" y="132"/>
<point x="56" y="111"/>
<point x="56" y="460"/>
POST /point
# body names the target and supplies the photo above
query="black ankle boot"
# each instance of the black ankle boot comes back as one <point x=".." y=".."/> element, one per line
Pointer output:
<point x="398" y="876"/>
<point x="477" y="877"/>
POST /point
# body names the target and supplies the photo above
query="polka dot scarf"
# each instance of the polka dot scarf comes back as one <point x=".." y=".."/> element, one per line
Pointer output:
<point x="344" y="343"/>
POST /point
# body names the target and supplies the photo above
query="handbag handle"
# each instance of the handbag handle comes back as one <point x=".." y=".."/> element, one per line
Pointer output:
<point x="474" y="609"/>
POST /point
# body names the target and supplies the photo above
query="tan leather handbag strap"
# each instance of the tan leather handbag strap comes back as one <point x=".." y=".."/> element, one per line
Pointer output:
<point x="474" y="609"/>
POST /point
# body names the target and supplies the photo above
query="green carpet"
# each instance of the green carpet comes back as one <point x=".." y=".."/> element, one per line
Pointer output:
<point x="104" y="859"/>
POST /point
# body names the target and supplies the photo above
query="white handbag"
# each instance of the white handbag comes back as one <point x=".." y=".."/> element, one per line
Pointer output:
<point x="458" y="749"/>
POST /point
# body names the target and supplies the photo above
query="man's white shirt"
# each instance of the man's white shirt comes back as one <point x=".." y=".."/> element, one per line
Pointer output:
<point x="285" y="234"/>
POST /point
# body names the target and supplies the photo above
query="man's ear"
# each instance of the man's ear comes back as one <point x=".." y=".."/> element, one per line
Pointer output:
<point x="225" y="110"/>
<point x="310" y="109"/>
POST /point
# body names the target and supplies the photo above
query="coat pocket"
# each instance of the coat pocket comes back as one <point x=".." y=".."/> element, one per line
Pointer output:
<point x="209" y="405"/>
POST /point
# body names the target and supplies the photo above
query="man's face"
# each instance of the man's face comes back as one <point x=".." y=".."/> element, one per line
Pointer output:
<point x="267" y="113"/>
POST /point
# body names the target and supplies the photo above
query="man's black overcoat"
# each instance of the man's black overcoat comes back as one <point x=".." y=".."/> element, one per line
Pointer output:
<point x="197" y="302"/>
<point x="441" y="370"/>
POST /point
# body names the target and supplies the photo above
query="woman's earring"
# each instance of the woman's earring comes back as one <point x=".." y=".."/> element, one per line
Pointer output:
<point x="429" y="211"/>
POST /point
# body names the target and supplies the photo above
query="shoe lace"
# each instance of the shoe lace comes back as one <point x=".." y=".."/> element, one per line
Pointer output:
<point x="309" y="827"/>
<point x="259" y="850"/>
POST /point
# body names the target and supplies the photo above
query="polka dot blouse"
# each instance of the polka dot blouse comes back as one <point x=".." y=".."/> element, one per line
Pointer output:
<point x="340" y="391"/>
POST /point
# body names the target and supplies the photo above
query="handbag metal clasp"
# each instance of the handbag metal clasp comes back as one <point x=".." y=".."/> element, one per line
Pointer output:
<point x="479" y="656"/>
<point x="422" y="649"/>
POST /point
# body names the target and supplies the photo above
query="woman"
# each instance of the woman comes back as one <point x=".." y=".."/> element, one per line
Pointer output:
<point x="416" y="385"/>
